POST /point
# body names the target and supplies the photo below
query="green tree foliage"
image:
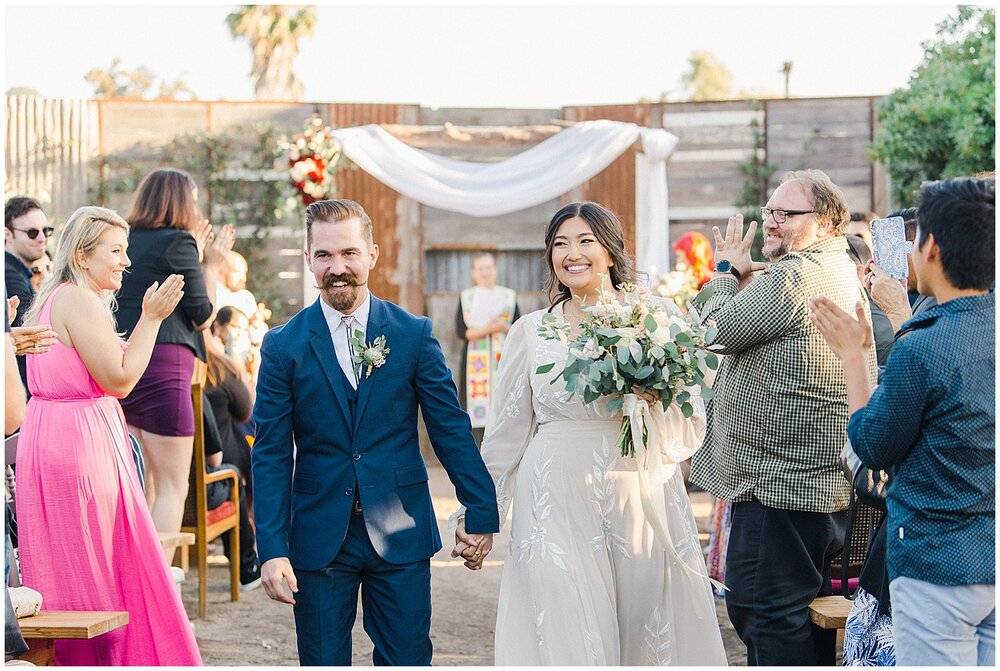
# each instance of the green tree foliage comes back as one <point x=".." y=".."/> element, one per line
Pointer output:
<point x="944" y="123"/>
<point x="707" y="78"/>
<point x="240" y="187"/>
<point x="757" y="173"/>
<point x="273" y="32"/>
<point x="23" y="91"/>
<point x="114" y="82"/>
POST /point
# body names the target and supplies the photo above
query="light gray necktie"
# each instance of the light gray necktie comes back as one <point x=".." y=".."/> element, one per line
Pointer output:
<point x="349" y="326"/>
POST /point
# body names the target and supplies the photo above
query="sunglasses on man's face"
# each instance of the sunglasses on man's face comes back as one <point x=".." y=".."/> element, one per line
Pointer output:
<point x="32" y="233"/>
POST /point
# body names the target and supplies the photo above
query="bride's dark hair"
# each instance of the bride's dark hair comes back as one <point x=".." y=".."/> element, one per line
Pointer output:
<point x="608" y="231"/>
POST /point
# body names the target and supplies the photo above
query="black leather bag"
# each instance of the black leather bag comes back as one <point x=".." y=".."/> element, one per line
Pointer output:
<point x="869" y="485"/>
<point x="867" y="506"/>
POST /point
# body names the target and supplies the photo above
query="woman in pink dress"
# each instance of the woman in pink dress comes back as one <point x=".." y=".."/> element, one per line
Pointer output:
<point x="87" y="539"/>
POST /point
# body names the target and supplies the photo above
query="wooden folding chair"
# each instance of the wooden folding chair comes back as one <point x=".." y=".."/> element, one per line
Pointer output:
<point x="205" y="524"/>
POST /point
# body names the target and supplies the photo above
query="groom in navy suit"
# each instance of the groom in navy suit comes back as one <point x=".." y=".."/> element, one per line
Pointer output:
<point x="341" y="499"/>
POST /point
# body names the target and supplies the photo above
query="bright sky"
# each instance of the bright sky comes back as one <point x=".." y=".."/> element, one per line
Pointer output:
<point x="464" y="55"/>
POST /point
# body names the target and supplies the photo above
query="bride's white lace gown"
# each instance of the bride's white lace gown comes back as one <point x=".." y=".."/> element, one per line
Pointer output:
<point x="584" y="580"/>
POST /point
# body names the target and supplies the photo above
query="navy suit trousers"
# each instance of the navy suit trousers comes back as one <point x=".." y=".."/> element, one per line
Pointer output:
<point x="395" y="599"/>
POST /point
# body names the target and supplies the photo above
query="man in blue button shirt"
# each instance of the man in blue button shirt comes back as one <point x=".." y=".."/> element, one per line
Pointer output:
<point x="932" y="420"/>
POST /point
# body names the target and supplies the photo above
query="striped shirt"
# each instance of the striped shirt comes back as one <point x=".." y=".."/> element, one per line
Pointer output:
<point x="778" y="420"/>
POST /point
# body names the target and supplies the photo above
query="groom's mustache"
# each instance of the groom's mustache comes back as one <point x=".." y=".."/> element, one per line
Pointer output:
<point x="349" y="279"/>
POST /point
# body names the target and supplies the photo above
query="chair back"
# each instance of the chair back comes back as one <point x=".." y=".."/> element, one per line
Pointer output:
<point x="196" y="504"/>
<point x="204" y="524"/>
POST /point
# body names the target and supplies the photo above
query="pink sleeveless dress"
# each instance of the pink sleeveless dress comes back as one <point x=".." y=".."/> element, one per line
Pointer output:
<point x="87" y="540"/>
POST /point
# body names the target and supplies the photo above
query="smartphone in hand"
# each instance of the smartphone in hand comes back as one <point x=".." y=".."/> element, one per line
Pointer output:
<point x="890" y="246"/>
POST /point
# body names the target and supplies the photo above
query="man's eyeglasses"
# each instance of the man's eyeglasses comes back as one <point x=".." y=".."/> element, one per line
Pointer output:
<point x="779" y="216"/>
<point x="32" y="233"/>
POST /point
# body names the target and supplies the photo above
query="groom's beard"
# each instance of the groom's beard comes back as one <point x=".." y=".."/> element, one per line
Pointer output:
<point x="342" y="298"/>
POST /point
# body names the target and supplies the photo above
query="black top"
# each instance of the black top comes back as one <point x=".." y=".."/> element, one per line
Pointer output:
<point x="17" y="278"/>
<point x="156" y="254"/>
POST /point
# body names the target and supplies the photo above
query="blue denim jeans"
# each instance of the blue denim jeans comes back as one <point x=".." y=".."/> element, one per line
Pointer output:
<point x="943" y="625"/>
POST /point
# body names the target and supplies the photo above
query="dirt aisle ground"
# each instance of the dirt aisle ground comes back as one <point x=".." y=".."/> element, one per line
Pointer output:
<point x="257" y="631"/>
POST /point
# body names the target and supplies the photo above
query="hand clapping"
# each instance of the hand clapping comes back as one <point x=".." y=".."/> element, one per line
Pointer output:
<point x="844" y="334"/>
<point x="219" y="245"/>
<point x="160" y="300"/>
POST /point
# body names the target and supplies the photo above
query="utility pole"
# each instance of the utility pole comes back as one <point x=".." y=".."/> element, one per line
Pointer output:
<point x="786" y="69"/>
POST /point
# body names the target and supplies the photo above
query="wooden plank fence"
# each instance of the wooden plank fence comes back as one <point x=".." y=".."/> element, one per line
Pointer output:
<point x="51" y="147"/>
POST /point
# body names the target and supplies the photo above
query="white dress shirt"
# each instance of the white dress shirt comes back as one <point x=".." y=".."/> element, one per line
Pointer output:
<point x="338" y="332"/>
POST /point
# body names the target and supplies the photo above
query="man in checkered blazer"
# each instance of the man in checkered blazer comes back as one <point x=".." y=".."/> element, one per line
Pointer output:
<point x="778" y="420"/>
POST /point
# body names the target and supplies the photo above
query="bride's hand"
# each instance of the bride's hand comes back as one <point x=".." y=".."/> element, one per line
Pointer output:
<point x="647" y="396"/>
<point x="473" y="548"/>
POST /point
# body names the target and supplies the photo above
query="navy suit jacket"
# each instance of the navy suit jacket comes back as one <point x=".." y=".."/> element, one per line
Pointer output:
<point x="309" y="456"/>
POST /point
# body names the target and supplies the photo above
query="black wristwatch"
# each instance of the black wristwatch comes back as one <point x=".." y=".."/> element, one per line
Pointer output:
<point x="727" y="267"/>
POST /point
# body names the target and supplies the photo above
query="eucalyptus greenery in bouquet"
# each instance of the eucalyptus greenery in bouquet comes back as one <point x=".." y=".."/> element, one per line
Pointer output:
<point x="633" y="342"/>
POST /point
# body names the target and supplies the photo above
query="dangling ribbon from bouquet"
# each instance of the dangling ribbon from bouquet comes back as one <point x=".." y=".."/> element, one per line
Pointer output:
<point x="651" y="467"/>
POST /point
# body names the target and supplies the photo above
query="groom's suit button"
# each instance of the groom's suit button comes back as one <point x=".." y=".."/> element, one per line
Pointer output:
<point x="349" y="491"/>
<point x="356" y="456"/>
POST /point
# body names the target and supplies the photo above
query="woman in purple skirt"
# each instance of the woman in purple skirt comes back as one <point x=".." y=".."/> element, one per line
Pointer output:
<point x="169" y="236"/>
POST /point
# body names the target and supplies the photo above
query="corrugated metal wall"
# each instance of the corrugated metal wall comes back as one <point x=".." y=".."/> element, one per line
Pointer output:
<point x="394" y="278"/>
<point x="52" y="146"/>
<point x="615" y="186"/>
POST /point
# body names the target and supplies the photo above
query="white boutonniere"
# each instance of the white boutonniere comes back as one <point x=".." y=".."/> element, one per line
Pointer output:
<point x="372" y="354"/>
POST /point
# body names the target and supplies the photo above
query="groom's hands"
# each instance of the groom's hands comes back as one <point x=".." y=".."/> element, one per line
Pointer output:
<point x="274" y="574"/>
<point x="473" y="548"/>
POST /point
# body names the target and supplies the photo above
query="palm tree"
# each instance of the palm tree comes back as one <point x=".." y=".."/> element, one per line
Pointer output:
<point x="273" y="32"/>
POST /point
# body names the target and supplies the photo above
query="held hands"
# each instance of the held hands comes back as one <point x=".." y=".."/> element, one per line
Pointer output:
<point x="735" y="247"/>
<point x="499" y="325"/>
<point x="275" y="574"/>
<point x="845" y="335"/>
<point x="36" y="339"/>
<point x="471" y="547"/>
<point x="32" y="339"/>
<point x="160" y="300"/>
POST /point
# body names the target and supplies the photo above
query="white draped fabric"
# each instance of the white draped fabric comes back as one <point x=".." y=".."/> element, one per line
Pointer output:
<point x="536" y="175"/>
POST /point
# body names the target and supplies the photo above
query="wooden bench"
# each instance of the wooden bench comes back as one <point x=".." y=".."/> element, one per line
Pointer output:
<point x="180" y="539"/>
<point x="830" y="612"/>
<point x="39" y="631"/>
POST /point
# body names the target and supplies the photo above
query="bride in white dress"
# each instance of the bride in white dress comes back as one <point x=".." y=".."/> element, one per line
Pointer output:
<point x="585" y="582"/>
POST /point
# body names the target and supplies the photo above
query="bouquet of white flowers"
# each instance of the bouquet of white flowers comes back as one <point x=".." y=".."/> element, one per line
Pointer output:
<point x="633" y="342"/>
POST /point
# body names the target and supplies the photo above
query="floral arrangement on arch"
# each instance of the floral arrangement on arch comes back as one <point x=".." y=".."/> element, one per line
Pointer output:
<point x="313" y="157"/>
